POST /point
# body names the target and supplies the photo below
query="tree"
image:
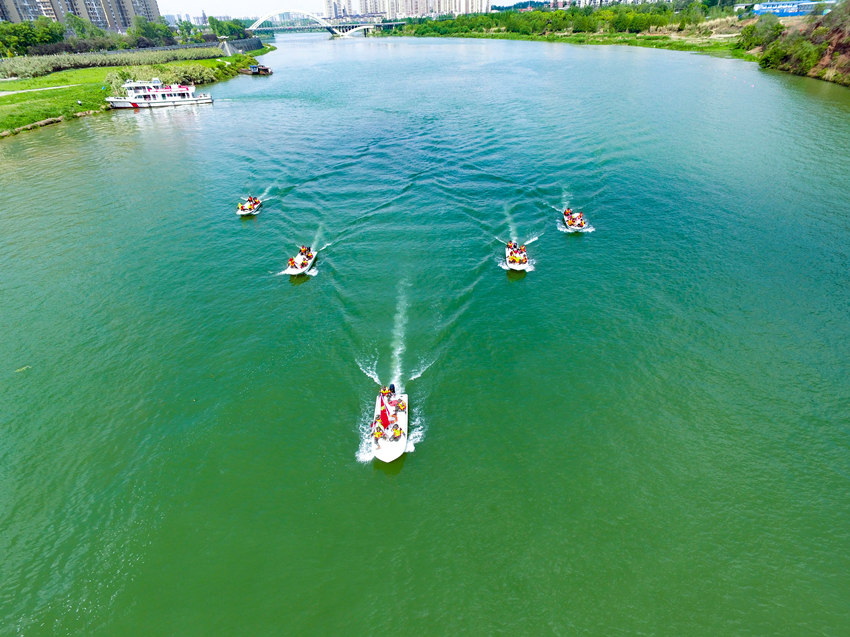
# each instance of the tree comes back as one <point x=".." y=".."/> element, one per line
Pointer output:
<point x="762" y="33"/>
<point x="17" y="38"/>
<point x="229" y="28"/>
<point x="143" y="30"/>
<point x="83" y="28"/>
<point x="185" y="30"/>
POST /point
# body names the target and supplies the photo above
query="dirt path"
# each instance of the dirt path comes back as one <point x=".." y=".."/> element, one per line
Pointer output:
<point x="30" y="90"/>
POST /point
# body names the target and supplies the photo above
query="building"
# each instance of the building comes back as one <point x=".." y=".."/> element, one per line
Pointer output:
<point x="338" y="8"/>
<point x="114" y="15"/>
<point x="789" y="9"/>
<point x="393" y="9"/>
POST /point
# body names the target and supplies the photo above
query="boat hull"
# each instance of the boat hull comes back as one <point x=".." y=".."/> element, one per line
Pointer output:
<point x="250" y="213"/>
<point x="386" y="449"/>
<point x="302" y="269"/>
<point x="123" y="102"/>
<point x="572" y="227"/>
<point x="520" y="267"/>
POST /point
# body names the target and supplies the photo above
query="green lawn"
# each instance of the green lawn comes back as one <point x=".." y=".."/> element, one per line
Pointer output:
<point x="26" y="108"/>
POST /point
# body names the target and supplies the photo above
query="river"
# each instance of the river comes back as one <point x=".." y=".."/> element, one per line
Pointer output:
<point x="648" y="433"/>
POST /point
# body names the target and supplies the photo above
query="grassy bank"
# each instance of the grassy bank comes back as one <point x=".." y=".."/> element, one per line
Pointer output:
<point x="36" y="65"/>
<point x="652" y="25"/>
<point x="90" y="87"/>
<point x="655" y="41"/>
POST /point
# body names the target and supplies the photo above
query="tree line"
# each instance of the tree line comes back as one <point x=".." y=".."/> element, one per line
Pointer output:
<point x="76" y="35"/>
<point x="618" y="18"/>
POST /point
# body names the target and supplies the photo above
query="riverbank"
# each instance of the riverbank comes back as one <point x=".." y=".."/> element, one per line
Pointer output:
<point x="619" y="27"/>
<point x="80" y="92"/>
<point x="724" y="45"/>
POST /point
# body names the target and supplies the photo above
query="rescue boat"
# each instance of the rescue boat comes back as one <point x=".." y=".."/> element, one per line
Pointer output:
<point x="249" y="209"/>
<point x="574" y="223"/>
<point x="515" y="258"/>
<point x="390" y="426"/>
<point x="300" y="263"/>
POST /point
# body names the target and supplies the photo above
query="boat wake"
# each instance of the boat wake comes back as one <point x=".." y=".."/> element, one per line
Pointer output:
<point x="364" y="453"/>
<point x="423" y="367"/>
<point x="264" y="196"/>
<point x="416" y="434"/>
<point x="369" y="367"/>
<point x="563" y="228"/>
<point x="316" y="238"/>
<point x="510" y="219"/>
<point x="399" y="324"/>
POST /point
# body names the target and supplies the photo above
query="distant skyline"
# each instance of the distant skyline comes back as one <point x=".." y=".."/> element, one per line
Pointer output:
<point x="239" y="9"/>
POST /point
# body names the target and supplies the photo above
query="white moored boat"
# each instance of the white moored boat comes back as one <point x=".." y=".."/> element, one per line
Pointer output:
<point x="301" y="262"/>
<point x="515" y="257"/>
<point x="154" y="93"/>
<point x="249" y="208"/>
<point x="389" y="427"/>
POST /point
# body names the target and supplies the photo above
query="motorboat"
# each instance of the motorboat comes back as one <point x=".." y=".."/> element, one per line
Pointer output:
<point x="251" y="207"/>
<point x="301" y="262"/>
<point x="516" y="257"/>
<point x="256" y="69"/>
<point x="389" y="429"/>
<point x="575" y="221"/>
<point x="154" y="94"/>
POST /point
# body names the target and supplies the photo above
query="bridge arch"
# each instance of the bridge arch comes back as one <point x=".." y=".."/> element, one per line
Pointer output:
<point x="314" y="18"/>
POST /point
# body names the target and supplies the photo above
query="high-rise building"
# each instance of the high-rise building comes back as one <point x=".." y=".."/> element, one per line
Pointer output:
<point x="338" y="8"/>
<point x="371" y="7"/>
<point x="413" y="8"/>
<point x="115" y="15"/>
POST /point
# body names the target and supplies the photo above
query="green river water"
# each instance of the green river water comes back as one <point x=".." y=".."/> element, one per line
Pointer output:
<point x="649" y="433"/>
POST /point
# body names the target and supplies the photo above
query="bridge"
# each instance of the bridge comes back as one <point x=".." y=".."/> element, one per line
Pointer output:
<point x="310" y="22"/>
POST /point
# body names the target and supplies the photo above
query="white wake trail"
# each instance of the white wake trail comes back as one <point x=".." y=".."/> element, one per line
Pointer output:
<point x="415" y="434"/>
<point x="399" y="325"/>
<point x="316" y="238"/>
<point x="511" y="224"/>
<point x="423" y="367"/>
<point x="369" y="367"/>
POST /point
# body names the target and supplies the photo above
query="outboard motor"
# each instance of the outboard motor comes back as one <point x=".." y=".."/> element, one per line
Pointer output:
<point x="392" y="388"/>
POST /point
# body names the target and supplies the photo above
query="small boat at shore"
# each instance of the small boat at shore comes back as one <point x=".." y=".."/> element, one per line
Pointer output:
<point x="516" y="257"/>
<point x="256" y="69"/>
<point x="301" y="262"/>
<point x="154" y="94"/>
<point x="251" y="207"/>
<point x="389" y="428"/>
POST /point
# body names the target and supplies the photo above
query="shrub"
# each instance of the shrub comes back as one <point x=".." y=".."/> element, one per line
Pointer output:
<point x="794" y="53"/>
<point x="177" y="74"/>
<point x="42" y="65"/>
<point x="762" y="33"/>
